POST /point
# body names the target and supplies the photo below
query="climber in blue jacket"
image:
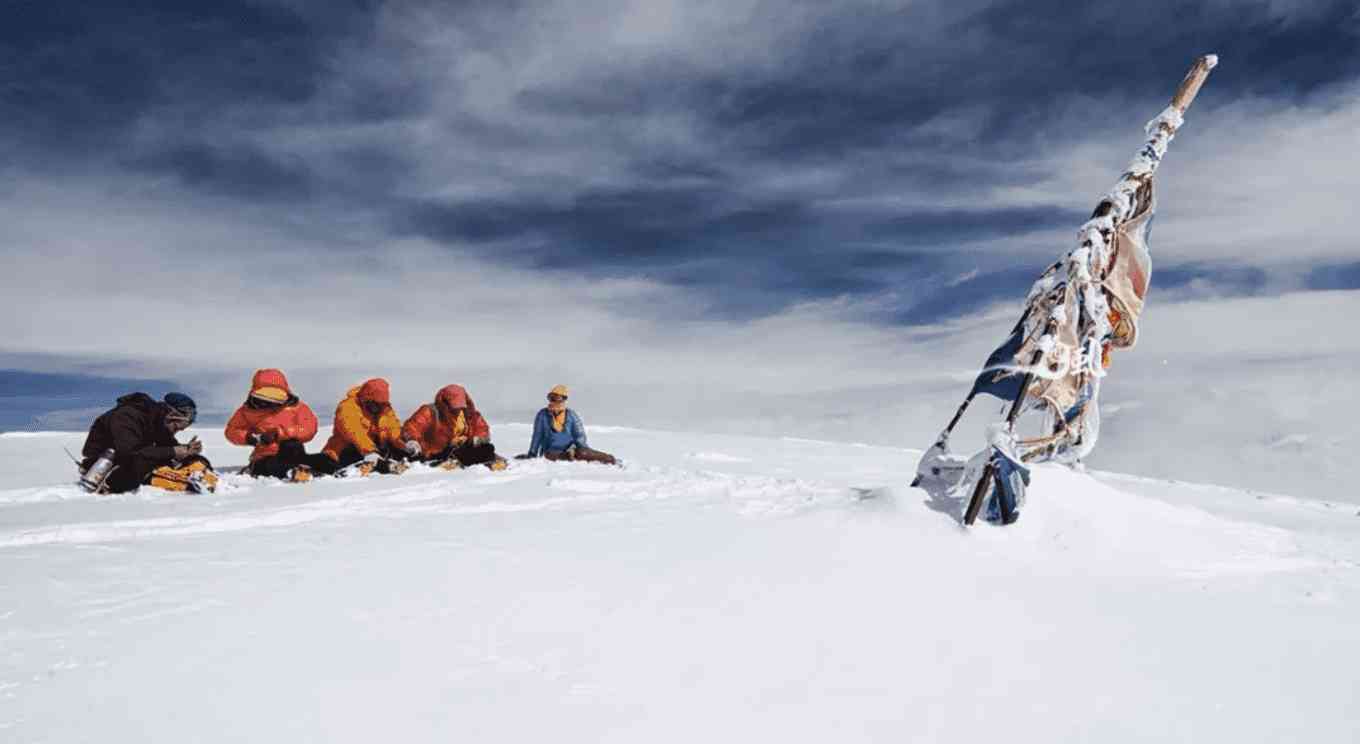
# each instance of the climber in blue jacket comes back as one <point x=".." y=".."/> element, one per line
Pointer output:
<point x="560" y="435"/>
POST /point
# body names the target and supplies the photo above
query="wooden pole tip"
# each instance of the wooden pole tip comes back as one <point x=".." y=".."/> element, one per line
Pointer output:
<point x="1189" y="88"/>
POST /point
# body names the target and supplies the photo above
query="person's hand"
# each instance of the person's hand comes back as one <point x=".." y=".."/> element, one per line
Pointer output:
<point x="185" y="451"/>
<point x="413" y="448"/>
<point x="269" y="437"/>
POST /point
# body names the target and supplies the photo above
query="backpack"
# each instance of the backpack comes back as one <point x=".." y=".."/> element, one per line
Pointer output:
<point x="195" y="475"/>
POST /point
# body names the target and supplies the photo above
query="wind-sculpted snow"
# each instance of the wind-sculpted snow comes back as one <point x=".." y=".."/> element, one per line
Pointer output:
<point x="433" y="492"/>
<point x="713" y="588"/>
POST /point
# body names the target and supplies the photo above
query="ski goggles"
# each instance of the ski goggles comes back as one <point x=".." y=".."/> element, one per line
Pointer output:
<point x="556" y="398"/>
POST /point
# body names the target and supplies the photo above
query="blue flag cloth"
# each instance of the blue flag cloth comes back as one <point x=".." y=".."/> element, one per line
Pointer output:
<point x="999" y="376"/>
<point x="1011" y="480"/>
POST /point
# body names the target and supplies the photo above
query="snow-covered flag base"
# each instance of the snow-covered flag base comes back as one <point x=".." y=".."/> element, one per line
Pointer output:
<point x="1081" y="309"/>
<point x="740" y="590"/>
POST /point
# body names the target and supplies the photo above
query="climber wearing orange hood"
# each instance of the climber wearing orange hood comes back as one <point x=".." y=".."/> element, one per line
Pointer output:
<point x="366" y="428"/>
<point x="450" y="431"/>
<point x="276" y="423"/>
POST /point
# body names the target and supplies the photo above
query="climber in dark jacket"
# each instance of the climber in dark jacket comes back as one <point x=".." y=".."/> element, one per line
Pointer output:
<point x="141" y="432"/>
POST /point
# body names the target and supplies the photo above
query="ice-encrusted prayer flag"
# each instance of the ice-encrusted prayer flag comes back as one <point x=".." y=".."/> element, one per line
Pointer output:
<point x="1083" y="308"/>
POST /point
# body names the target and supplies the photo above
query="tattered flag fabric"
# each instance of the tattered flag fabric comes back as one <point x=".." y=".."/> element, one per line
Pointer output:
<point x="1079" y="311"/>
<point x="1000" y="376"/>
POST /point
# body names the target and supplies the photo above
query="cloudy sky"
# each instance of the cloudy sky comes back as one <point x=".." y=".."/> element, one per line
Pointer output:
<point x="800" y="218"/>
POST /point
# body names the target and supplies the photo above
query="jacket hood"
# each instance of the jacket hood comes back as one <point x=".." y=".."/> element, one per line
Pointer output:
<point x="375" y="390"/>
<point x="269" y="378"/>
<point x="452" y="397"/>
<point x="271" y="385"/>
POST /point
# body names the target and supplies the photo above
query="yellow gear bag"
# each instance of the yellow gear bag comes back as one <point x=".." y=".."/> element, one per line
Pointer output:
<point x="196" y="476"/>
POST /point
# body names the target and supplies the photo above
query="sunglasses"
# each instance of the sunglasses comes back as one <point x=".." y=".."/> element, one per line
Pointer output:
<point x="557" y="398"/>
<point x="375" y="408"/>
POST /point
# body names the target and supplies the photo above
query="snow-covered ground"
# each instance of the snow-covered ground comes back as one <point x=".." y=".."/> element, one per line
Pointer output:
<point x="714" y="589"/>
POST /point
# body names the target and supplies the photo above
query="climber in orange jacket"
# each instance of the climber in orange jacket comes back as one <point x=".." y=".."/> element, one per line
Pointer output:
<point x="450" y="431"/>
<point x="366" y="428"/>
<point x="277" y="424"/>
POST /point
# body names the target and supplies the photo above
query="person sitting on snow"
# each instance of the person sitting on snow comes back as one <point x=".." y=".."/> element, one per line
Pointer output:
<point x="451" y="432"/>
<point x="560" y="435"/>
<point x="277" y="424"/>
<point x="141" y="432"/>
<point x="366" y="430"/>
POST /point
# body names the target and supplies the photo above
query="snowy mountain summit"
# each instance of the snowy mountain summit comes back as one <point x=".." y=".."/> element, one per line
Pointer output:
<point x="714" y="588"/>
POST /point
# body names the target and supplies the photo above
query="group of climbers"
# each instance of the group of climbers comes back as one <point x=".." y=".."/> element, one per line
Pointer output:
<point x="137" y="437"/>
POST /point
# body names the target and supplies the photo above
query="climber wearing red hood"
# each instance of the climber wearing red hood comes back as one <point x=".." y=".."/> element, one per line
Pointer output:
<point x="276" y="423"/>
<point x="451" y="431"/>
<point x="366" y="428"/>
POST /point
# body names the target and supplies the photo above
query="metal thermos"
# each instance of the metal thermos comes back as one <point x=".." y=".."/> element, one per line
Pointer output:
<point x="93" y="478"/>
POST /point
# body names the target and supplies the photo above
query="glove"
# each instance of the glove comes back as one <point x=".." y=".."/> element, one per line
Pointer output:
<point x="373" y="458"/>
<point x="268" y="437"/>
<point x="478" y="441"/>
<point x="413" y="448"/>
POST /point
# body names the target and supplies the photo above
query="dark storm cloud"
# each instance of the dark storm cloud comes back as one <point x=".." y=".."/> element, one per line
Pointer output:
<point x="969" y="295"/>
<point x="1335" y="276"/>
<point x="869" y="76"/>
<point x="759" y="255"/>
<point x="961" y="226"/>
<point x="33" y="400"/>
<point x="241" y="171"/>
<point x="764" y="197"/>
<point x="1235" y="281"/>
<point x="80" y="74"/>
<point x="854" y="85"/>
<point x="1057" y="48"/>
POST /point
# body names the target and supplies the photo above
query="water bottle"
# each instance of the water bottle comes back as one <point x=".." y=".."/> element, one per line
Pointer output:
<point x="93" y="478"/>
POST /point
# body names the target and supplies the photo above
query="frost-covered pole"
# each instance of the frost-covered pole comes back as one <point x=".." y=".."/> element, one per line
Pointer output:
<point x="1119" y="204"/>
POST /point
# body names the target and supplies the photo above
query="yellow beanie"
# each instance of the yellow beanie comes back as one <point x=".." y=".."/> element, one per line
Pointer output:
<point x="558" y="390"/>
